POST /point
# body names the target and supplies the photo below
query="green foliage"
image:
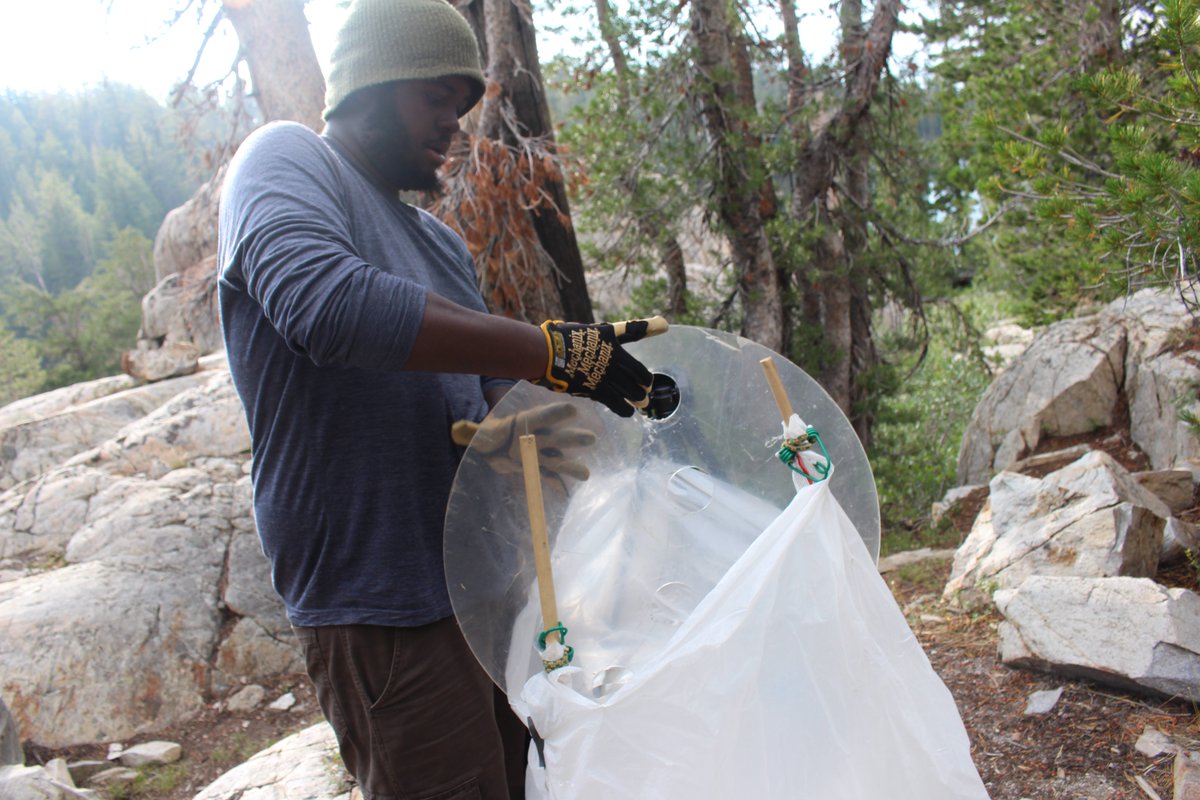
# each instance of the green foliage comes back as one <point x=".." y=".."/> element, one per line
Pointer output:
<point x="1187" y="409"/>
<point x="1143" y="212"/>
<point x="1048" y="159"/>
<point x="1193" y="560"/>
<point x="151" y="782"/>
<point x="123" y="197"/>
<point x="21" y="372"/>
<point x="630" y="140"/>
<point x="652" y="171"/>
<point x="80" y="333"/>
<point x="239" y="748"/>
<point x="64" y="235"/>
<point x="56" y="559"/>
<point x="919" y="425"/>
<point x="646" y="300"/>
<point x="1110" y="178"/>
<point x="77" y="168"/>
<point x="1007" y="89"/>
<point x="927" y="577"/>
<point x="85" y="181"/>
<point x="71" y="134"/>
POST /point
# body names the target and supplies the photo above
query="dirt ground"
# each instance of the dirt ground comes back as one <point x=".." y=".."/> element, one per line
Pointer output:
<point x="214" y="742"/>
<point x="1081" y="750"/>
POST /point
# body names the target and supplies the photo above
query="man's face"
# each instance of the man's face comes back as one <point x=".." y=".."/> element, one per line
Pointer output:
<point x="409" y="130"/>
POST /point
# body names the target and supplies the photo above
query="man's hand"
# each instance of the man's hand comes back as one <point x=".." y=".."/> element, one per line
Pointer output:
<point x="498" y="440"/>
<point x="588" y="361"/>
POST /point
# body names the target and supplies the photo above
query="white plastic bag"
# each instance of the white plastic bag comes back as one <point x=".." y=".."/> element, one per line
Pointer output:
<point x="796" y="676"/>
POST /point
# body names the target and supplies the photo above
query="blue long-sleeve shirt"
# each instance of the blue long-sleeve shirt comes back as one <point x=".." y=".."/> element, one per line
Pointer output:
<point x="323" y="283"/>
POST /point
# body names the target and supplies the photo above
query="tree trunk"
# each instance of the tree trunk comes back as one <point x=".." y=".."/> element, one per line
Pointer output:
<point x="738" y="194"/>
<point x="835" y="262"/>
<point x="284" y="72"/>
<point x="509" y="45"/>
<point x="830" y="182"/>
<point x="861" y="355"/>
<point x="672" y="255"/>
<point x="287" y="81"/>
<point x="835" y="302"/>
<point x="796" y="68"/>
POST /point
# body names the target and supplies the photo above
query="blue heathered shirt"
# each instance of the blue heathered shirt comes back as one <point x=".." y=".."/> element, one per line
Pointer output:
<point x="323" y="282"/>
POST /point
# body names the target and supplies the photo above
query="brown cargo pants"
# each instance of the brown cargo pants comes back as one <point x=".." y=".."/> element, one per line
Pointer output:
<point x="416" y="717"/>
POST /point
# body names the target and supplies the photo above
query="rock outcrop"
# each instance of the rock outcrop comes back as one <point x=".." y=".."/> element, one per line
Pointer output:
<point x="1088" y="519"/>
<point x="179" y="315"/>
<point x="302" y="765"/>
<point x="133" y="584"/>
<point x="1079" y="375"/>
<point x="182" y="308"/>
<point x="31" y="448"/>
<point x="1068" y="538"/>
<point x="188" y="234"/>
<point x="1126" y="632"/>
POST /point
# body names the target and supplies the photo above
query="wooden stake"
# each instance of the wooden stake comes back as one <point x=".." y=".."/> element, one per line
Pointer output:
<point x="656" y="326"/>
<point x="781" y="398"/>
<point x="537" y="530"/>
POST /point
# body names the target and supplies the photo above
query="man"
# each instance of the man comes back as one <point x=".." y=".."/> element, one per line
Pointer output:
<point x="356" y="337"/>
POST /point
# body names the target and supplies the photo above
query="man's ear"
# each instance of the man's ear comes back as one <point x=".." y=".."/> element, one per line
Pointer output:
<point x="360" y="103"/>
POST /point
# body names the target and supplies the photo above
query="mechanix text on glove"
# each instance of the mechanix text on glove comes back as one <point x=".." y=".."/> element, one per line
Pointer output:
<point x="589" y="361"/>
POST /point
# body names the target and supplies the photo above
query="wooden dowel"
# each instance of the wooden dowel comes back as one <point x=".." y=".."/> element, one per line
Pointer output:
<point x="781" y="398"/>
<point x="656" y="326"/>
<point x="537" y="530"/>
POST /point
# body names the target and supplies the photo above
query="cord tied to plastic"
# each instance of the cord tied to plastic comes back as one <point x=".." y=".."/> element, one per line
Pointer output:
<point x="815" y="469"/>
<point x="557" y="653"/>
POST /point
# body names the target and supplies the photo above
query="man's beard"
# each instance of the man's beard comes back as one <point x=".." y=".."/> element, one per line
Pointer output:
<point x="394" y="154"/>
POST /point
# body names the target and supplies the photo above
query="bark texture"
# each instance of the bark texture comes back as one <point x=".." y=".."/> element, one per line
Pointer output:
<point x="514" y="112"/>
<point x="830" y="183"/>
<point x="279" y="53"/>
<point x="720" y="92"/>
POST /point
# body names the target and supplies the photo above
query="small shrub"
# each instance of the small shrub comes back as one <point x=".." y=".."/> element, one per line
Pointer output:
<point x="918" y="432"/>
<point x="152" y="782"/>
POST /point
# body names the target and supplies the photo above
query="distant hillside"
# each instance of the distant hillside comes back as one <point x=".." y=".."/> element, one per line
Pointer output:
<point x="85" y="181"/>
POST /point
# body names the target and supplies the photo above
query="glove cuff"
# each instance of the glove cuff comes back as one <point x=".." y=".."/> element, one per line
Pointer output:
<point x="556" y="354"/>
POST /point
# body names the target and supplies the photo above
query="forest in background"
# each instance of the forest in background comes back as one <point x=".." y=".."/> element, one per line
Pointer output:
<point x="1035" y="158"/>
<point x="85" y="181"/>
<point x="865" y="215"/>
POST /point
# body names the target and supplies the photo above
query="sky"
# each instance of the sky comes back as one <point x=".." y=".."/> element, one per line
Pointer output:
<point x="49" y="45"/>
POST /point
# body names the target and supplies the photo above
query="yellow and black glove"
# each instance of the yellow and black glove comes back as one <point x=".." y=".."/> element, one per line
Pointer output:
<point x="589" y="361"/>
<point x="498" y="440"/>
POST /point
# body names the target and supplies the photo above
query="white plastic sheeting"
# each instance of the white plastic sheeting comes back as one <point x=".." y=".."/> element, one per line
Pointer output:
<point x="795" y="677"/>
<point x="634" y="567"/>
<point x="732" y="636"/>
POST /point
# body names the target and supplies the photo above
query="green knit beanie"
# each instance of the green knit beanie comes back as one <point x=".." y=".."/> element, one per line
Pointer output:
<point x="395" y="40"/>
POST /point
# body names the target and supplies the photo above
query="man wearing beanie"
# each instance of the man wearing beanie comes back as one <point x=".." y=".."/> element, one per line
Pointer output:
<point x="356" y="336"/>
